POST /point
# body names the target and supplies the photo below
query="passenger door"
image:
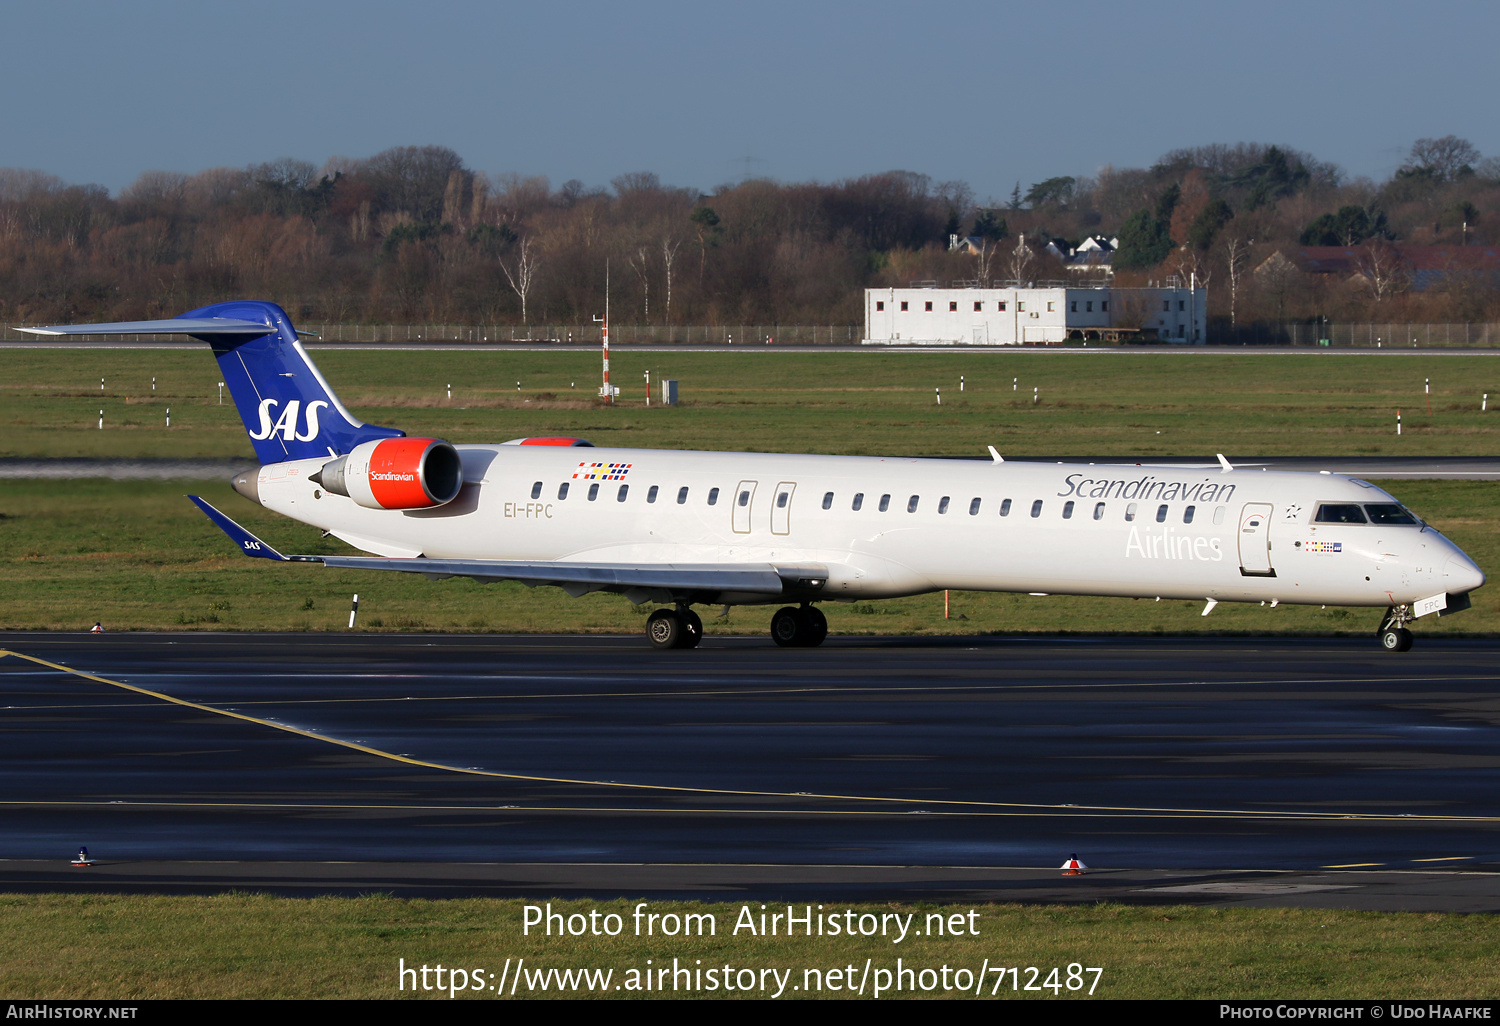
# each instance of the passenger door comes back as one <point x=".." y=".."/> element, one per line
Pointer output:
<point x="781" y="508"/>
<point x="1255" y="540"/>
<point x="744" y="502"/>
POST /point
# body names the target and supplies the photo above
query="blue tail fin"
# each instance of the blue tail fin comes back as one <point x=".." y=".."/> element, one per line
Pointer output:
<point x="288" y="409"/>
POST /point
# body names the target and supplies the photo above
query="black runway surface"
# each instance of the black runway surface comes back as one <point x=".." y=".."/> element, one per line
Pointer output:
<point x="1234" y="770"/>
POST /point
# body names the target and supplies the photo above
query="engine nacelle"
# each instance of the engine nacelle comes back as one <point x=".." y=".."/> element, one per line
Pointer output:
<point x="396" y="473"/>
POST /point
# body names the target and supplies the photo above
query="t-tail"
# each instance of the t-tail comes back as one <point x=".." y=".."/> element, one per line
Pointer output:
<point x="289" y="411"/>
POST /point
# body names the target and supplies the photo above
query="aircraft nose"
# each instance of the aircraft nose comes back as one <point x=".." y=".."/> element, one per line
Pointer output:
<point x="1461" y="574"/>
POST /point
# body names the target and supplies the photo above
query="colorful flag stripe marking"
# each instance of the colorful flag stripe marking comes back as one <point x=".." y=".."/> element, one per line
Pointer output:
<point x="1320" y="546"/>
<point x="602" y="471"/>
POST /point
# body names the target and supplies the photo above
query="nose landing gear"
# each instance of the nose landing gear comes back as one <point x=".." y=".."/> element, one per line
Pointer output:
<point x="1393" y="635"/>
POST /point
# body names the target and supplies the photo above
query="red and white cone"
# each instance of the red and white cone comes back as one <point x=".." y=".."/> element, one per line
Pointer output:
<point x="1073" y="867"/>
<point x="82" y="858"/>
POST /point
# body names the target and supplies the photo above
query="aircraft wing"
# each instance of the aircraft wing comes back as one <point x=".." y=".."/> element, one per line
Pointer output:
<point x="701" y="579"/>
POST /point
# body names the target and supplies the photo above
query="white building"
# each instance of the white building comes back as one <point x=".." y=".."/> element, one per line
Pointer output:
<point x="1033" y="316"/>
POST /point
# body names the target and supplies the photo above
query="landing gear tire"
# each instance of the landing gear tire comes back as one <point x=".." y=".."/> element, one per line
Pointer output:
<point x="692" y="628"/>
<point x="665" y="629"/>
<point x="792" y="627"/>
<point x="1395" y="639"/>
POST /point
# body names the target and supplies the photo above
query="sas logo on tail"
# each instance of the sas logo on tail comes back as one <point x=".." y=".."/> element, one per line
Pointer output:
<point x="286" y="424"/>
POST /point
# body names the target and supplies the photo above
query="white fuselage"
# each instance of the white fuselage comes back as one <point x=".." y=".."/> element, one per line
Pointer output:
<point x="1241" y="535"/>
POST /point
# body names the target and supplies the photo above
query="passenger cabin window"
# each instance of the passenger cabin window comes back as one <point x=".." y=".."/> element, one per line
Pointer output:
<point x="859" y="500"/>
<point x="1218" y="514"/>
<point x="536" y="490"/>
<point x="943" y="504"/>
<point x="745" y="497"/>
<point x="1161" y="513"/>
<point x="620" y="495"/>
<point x="593" y="491"/>
<point x="781" y="500"/>
<point x="974" y="508"/>
<point x="911" y="504"/>
<point x="1187" y="514"/>
<point x="1005" y="508"/>
<point x="682" y="495"/>
<point x="1388" y="513"/>
<point x="713" y="496"/>
<point x="1098" y="511"/>
<point x="828" y="500"/>
<point x="562" y="491"/>
<point x="1036" y="508"/>
<point x="1130" y="513"/>
<point x="651" y="494"/>
<point x="1339" y="513"/>
<point x="885" y="502"/>
<point x="1068" y="510"/>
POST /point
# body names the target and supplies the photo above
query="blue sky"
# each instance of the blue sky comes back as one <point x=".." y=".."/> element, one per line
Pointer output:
<point x="990" y="93"/>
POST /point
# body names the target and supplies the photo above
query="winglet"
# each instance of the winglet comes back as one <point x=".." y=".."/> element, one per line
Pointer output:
<point x="1225" y="464"/>
<point x="248" y="543"/>
<point x="996" y="456"/>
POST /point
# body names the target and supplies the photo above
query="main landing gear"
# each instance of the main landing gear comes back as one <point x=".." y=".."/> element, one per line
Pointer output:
<point x="674" y="628"/>
<point x="794" y="627"/>
<point x="1394" y="637"/>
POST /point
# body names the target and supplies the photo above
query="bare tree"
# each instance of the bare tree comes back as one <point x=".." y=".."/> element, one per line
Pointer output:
<point x="1022" y="260"/>
<point x="984" y="258"/>
<point x="638" y="263"/>
<point x="1382" y="268"/>
<point x="1236" y="252"/>
<point x="669" y="247"/>
<point x="523" y="275"/>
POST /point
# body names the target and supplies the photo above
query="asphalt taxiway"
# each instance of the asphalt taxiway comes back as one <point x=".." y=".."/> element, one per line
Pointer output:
<point x="1211" y="770"/>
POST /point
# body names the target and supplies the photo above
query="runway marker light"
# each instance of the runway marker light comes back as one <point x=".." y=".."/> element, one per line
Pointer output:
<point x="1072" y="866"/>
<point x="101" y="420"/>
<point x="82" y="860"/>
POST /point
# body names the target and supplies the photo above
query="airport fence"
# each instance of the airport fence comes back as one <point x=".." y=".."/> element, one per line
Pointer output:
<point x="734" y="334"/>
<point x="1368" y="335"/>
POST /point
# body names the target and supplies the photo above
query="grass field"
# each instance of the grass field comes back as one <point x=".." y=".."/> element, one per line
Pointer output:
<point x="136" y="555"/>
<point x="254" y="946"/>
<point x="863" y="403"/>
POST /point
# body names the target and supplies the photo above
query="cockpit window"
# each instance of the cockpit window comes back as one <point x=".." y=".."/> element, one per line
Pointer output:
<point x="1388" y="513"/>
<point x="1339" y="513"/>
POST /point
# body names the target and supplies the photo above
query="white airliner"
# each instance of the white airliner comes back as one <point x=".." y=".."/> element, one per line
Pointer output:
<point x="685" y="528"/>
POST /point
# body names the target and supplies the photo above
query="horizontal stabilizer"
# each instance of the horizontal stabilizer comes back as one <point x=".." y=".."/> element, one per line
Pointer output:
<point x="248" y="543"/>
<point x="175" y="326"/>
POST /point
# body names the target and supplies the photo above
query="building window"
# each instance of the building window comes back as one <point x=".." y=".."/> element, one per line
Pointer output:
<point x="1068" y="510"/>
<point x="859" y="500"/>
<point x="1036" y="508"/>
<point x="1000" y="306"/>
<point x="620" y="495"/>
<point x="651" y="495"/>
<point x="953" y="306"/>
<point x="929" y="306"/>
<point x="1088" y="307"/>
<point x="1166" y="305"/>
<point x="1099" y="511"/>
<point x="1005" y="508"/>
<point x="1182" y="331"/>
<point x="903" y="304"/>
<point x="827" y="500"/>
<point x="1075" y="306"/>
<point x="1051" y="307"/>
<point x="885" y="502"/>
<point x="1104" y="306"/>
<point x="1161" y="513"/>
<point x="536" y="490"/>
<point x="943" y="504"/>
<point x="1021" y="305"/>
<point x="974" y="508"/>
<point x="593" y="491"/>
<point x="682" y="495"/>
<point x="1181" y="306"/>
<point x="978" y="307"/>
<point x="880" y="304"/>
<point x="562" y="491"/>
<point x="911" y="504"/>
